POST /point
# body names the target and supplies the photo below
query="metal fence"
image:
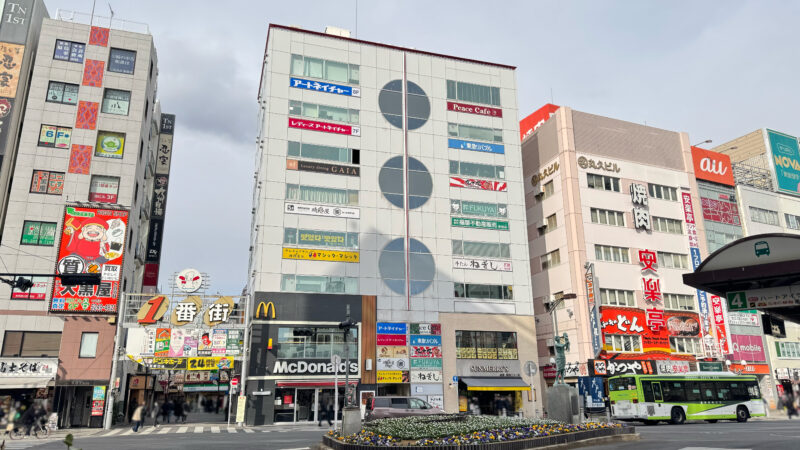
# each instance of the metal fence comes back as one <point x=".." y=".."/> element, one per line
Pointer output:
<point x="101" y="21"/>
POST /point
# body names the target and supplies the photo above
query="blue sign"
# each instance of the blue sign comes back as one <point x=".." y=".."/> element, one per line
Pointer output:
<point x="702" y="298"/>
<point x="476" y="146"/>
<point x="391" y="328"/>
<point x="786" y="159"/>
<point x="426" y="341"/>
<point x="591" y="388"/>
<point x="455" y="378"/>
<point x="325" y="87"/>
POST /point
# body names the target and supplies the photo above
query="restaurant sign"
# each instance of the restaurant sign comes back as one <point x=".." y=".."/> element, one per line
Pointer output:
<point x="465" y="222"/>
<point x="482" y="264"/>
<point x="321" y="210"/>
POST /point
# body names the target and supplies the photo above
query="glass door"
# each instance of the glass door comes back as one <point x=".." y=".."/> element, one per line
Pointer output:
<point x="306" y="405"/>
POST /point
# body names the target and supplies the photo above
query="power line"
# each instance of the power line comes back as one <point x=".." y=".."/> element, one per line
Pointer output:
<point x="26" y="253"/>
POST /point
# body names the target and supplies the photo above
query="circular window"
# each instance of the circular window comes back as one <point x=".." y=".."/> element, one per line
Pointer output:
<point x="391" y="181"/>
<point x="392" y="266"/>
<point x="418" y="106"/>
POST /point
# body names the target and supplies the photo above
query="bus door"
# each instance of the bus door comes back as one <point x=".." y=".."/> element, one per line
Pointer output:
<point x="657" y="396"/>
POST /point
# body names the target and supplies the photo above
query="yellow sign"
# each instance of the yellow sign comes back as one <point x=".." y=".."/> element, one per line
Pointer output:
<point x="392" y="376"/>
<point x="241" y="403"/>
<point x="11" y="55"/>
<point x="209" y="363"/>
<point x="320" y="255"/>
<point x="266" y="308"/>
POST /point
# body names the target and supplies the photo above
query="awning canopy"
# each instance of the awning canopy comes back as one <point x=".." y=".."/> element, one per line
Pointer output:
<point x="496" y="384"/>
<point x="25" y="382"/>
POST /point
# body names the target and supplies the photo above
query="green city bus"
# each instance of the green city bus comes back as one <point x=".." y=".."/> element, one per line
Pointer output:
<point x="709" y="396"/>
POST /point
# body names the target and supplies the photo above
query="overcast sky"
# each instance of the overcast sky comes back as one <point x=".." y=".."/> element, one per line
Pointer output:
<point x="715" y="69"/>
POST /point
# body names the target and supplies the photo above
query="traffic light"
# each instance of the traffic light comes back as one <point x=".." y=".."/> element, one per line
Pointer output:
<point x="346" y="325"/>
<point x="22" y="284"/>
<point x="303" y="332"/>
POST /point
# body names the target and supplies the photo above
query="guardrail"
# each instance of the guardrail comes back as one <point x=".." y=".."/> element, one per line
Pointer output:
<point x="101" y="21"/>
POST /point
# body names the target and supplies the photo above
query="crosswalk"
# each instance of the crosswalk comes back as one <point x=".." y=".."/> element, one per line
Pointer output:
<point x="25" y="443"/>
<point x="182" y="429"/>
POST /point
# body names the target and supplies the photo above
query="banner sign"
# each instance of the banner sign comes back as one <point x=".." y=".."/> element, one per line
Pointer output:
<point x="196" y="363"/>
<point x="320" y="86"/>
<point x="465" y="222"/>
<point x="392" y="364"/>
<point x="476" y="146"/>
<point x="391" y="339"/>
<point x="392" y="376"/>
<point x="482" y="264"/>
<point x="92" y="241"/>
<point x="314" y="125"/>
<point x="425" y="376"/>
<point x="471" y="183"/>
<point x="610" y="368"/>
<point x="474" y="109"/>
<point x="591" y="304"/>
<point x="320" y="255"/>
<point x="391" y="328"/>
<point x="592" y="390"/>
<point x="321" y="210"/>
<point x="702" y="298"/>
<point x="786" y="158"/>
<point x="426" y="340"/>
<point x="319" y="167"/>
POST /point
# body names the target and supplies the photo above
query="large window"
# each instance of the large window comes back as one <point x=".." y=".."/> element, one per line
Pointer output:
<point x="54" y="136"/>
<point x="88" y="345"/>
<point x="481" y="249"/>
<point x="686" y="345"/>
<point x="121" y="61"/>
<point x="477" y="170"/>
<point x="789" y="350"/>
<point x="315" y="343"/>
<point x="35" y="232"/>
<point x="103" y="189"/>
<point x="551" y="259"/>
<point x="673" y="260"/>
<point x="610" y="253"/>
<point x="324" y="69"/>
<point x="666" y="225"/>
<point x="663" y="192"/>
<point x="486" y="345"/>
<point x="325" y="152"/>
<point x="608" y="217"/>
<point x="33" y="344"/>
<point x="490" y="291"/>
<point x="69" y="51"/>
<point x="317" y="194"/>
<point x="47" y="182"/>
<point x="116" y="102"/>
<point x="792" y="221"/>
<point x="766" y="216"/>
<point x="325" y="112"/>
<point x="317" y="238"/>
<point x="679" y="301"/>
<point x="602" y="182"/>
<point x="476" y="93"/>
<point x="472" y="132"/>
<point x="110" y="144"/>
<point x="617" y="297"/>
<point x="550" y="224"/>
<point x="65" y="93"/>
<point x="319" y="283"/>
<point x="623" y="343"/>
<point x="478" y="209"/>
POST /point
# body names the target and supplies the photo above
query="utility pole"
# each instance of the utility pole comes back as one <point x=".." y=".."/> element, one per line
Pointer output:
<point x="351" y="415"/>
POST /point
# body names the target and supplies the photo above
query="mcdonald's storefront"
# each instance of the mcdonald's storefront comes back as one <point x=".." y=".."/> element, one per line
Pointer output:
<point x="294" y="337"/>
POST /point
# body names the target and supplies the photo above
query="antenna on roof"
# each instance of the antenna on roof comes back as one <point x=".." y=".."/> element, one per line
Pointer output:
<point x="356" y="34"/>
<point x="551" y="96"/>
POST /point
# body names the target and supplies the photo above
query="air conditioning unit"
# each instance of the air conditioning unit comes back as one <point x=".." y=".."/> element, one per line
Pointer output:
<point x="540" y="225"/>
<point x="538" y="192"/>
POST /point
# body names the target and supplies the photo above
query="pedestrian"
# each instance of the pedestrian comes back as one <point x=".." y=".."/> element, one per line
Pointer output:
<point x="154" y="412"/>
<point x="186" y="408"/>
<point x="170" y="407"/>
<point x="791" y="408"/>
<point x="217" y="405"/>
<point x="179" y="411"/>
<point x="164" y="412"/>
<point x="325" y="408"/>
<point x="137" y="417"/>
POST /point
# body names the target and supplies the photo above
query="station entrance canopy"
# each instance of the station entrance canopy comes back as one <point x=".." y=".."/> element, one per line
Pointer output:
<point x="757" y="272"/>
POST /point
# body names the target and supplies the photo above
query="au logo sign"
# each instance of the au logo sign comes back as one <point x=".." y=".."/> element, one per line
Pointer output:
<point x="265" y="307"/>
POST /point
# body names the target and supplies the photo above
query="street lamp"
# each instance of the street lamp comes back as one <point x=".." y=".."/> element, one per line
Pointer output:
<point x="707" y="141"/>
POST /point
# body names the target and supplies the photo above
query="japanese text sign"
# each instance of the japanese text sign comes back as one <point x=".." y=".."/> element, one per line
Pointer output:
<point x="320" y="86"/>
<point x="314" y="125"/>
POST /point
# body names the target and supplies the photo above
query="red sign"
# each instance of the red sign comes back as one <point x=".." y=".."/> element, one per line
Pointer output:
<point x="718" y="316"/>
<point x="391" y="339"/>
<point x="97" y="407"/>
<point x="684" y="325"/>
<point x="92" y="241"/>
<point x="234" y="382"/>
<point x="750" y="369"/>
<point x="721" y="211"/>
<point x="426" y="352"/>
<point x="529" y="124"/>
<point x="475" y="109"/>
<point x="549" y="371"/>
<point x="324" y="127"/>
<point x="150" y="277"/>
<point x="712" y="166"/>
<point x="655" y="341"/>
<point x="486" y="185"/>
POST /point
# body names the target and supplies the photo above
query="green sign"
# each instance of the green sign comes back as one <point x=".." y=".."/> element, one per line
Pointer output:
<point x="479" y="223"/>
<point x="737" y="301"/>
<point x="426" y="363"/>
<point x="30" y="232"/>
<point x="47" y="234"/>
<point x="786" y="160"/>
<point x="479" y="209"/>
<point x="715" y="366"/>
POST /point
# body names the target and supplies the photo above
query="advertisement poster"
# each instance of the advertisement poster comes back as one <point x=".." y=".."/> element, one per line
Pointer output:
<point x="219" y="342"/>
<point x="162" y="342"/>
<point x="12" y="64"/>
<point x="190" y="343"/>
<point x="176" y="342"/>
<point x="591" y="388"/>
<point x="786" y="159"/>
<point x="234" y="344"/>
<point x="472" y="183"/>
<point x="92" y="241"/>
<point x="103" y="189"/>
<point x="110" y="145"/>
<point x="204" y="344"/>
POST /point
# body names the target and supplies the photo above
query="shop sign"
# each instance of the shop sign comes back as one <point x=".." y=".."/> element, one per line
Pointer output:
<point x="710" y="366"/>
<point x="694" y="250"/>
<point x="586" y="163"/>
<point x="652" y="286"/>
<point x="103" y="189"/>
<point x="472" y="183"/>
<point x="321" y="86"/>
<point x="786" y="158"/>
<point x="464" y="222"/>
<point x="748" y="348"/>
<point x="721" y="211"/>
<point x="313" y="367"/>
<point x="164" y="154"/>
<point x="782" y="373"/>
<point x="141" y="382"/>
<point x="167" y="124"/>
<point x="494" y="265"/>
<point x="683" y="326"/>
<point x="391" y="339"/>
<point x="434" y="329"/>
<point x="318" y="167"/>
<point x="712" y="166"/>
<point x="610" y="368"/>
<point x="28" y="367"/>
<point x="320" y="255"/>
<point x="392" y="364"/>
<point x="487" y="368"/>
<point x="6" y="106"/>
<point x="546" y="172"/>
<point x="478" y="208"/>
<point x="641" y="212"/>
<point x="425" y="376"/>
<point x="744" y="318"/>
<point x="594" y="321"/>
<point x="92" y="241"/>
<point x="325" y="238"/>
<point x="437" y="401"/>
<point x="474" y="109"/>
<point x="426" y="352"/>
<point x="571" y="369"/>
<point x="721" y="333"/>
<point x="476" y="146"/>
<point x="776" y="297"/>
<point x="392" y="351"/>
<point x="426" y="363"/>
<point x="391" y="328"/>
<point x="536" y="119"/>
<point x="110" y="145"/>
<point x="750" y="369"/>
<point x="592" y="390"/>
<point x="326" y="127"/>
<point x="154" y="238"/>
<point x="631" y="321"/>
<point x="672" y="367"/>
<point x="549" y="371"/>
<point x="12" y="64"/>
<point x="192" y="363"/>
<point x="392" y="376"/>
<point x="160" y="186"/>
<point x="97" y="407"/>
<point x="321" y="210"/>
<point x="426" y="340"/>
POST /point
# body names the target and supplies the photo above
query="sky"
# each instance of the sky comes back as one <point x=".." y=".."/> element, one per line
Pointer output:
<point x="714" y="69"/>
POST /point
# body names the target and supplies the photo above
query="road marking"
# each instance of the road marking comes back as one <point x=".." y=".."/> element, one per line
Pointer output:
<point x="266" y="431"/>
<point x="113" y="432"/>
<point x="183" y="429"/>
<point x="231" y="430"/>
<point x="215" y="429"/>
<point x="165" y="430"/>
<point x="198" y="429"/>
<point x="129" y="432"/>
<point x="147" y="431"/>
<point x="248" y="430"/>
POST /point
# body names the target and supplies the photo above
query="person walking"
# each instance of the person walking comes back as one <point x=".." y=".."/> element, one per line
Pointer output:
<point x="179" y="411"/>
<point x="326" y="408"/>
<point x="138" y="413"/>
<point x="154" y="412"/>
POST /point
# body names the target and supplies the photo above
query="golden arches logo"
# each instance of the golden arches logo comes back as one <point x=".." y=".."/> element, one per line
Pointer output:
<point x="266" y="309"/>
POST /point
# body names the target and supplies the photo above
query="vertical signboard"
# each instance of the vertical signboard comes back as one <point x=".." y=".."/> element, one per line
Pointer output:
<point x="159" y="199"/>
<point x="594" y="323"/>
<point x="694" y="251"/>
<point x="785" y="155"/>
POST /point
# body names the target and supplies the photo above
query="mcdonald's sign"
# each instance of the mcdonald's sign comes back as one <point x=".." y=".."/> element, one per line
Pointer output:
<point x="265" y="307"/>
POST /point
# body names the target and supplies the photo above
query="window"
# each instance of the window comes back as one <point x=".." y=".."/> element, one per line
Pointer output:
<point x="54" y="136"/>
<point x="666" y="225"/>
<point x="322" y="284"/>
<point x="685" y="345"/>
<point x="471" y="132"/>
<point x="617" y="297"/>
<point x="37" y="292"/>
<point x="477" y="170"/>
<point x="550" y="224"/>
<point x="116" y="102"/>
<point x="318" y="238"/>
<point x="602" y="182"/>
<point x="317" y="194"/>
<point x="69" y="51"/>
<point x="490" y="291"/>
<point x="663" y="192"/>
<point x="324" y="112"/>
<point x="679" y="302"/>
<point x="88" y="345"/>
<point x="121" y="61"/>
<point x="481" y="249"/>
<point x="38" y="233"/>
<point x="486" y="345"/>
<point x="315" y="343"/>
<point x="718" y="239"/>
<point x="792" y="221"/>
<point x="478" y="209"/>
<point x="34" y="344"/>
<point x="764" y="216"/>
<point x="325" y="69"/>
<point x="551" y="259"/>
<point x="548" y="189"/>
<point x="672" y="260"/>
<point x="468" y="92"/>
<point x="110" y="144"/>
<point x="622" y="384"/>
<point x="328" y="153"/>
<point x="623" y="343"/>
<point x="66" y="93"/>
<point x="103" y="189"/>
<point x="608" y="217"/>
<point x="46" y="182"/>
<point x="788" y="350"/>
<point x="612" y="254"/>
<point x="674" y="391"/>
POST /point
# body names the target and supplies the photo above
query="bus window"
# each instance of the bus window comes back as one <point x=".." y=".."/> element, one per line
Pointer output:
<point x="692" y="391"/>
<point x="724" y="390"/>
<point x="647" y="388"/>
<point x="673" y="391"/>
<point x="753" y="390"/>
<point x="739" y="391"/>
<point x="657" y="392"/>
<point x="622" y="384"/>
<point x="707" y="393"/>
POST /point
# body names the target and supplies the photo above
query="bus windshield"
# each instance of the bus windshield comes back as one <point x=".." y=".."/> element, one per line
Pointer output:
<point x="622" y="384"/>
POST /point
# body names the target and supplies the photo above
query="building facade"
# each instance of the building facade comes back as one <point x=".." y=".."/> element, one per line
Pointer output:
<point x="393" y="174"/>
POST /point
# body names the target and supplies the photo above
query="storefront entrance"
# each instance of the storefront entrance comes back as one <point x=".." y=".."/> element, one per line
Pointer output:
<point x="306" y="404"/>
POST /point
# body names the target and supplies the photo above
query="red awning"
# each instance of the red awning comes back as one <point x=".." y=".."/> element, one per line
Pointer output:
<point x="311" y="383"/>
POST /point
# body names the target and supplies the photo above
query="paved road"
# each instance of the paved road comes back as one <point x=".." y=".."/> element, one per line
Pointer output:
<point x="764" y="434"/>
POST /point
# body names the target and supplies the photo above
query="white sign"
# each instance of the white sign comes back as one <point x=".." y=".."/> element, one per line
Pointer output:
<point x="437" y="401"/>
<point x="189" y="280"/>
<point x="425" y="376"/>
<point x="28" y="367"/>
<point x="776" y="297"/>
<point x="743" y="319"/>
<point x="482" y="264"/>
<point x="393" y="364"/>
<point x="672" y="367"/>
<point x="305" y="367"/>
<point x="322" y="210"/>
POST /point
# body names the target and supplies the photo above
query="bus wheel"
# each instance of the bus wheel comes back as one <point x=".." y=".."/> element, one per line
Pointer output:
<point x="677" y="416"/>
<point x="712" y="421"/>
<point x="741" y="414"/>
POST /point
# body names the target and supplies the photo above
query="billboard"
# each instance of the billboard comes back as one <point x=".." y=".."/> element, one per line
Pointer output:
<point x="529" y="124"/>
<point x="712" y="166"/>
<point x="655" y="344"/>
<point x="748" y="348"/>
<point x="92" y="241"/>
<point x="786" y="159"/>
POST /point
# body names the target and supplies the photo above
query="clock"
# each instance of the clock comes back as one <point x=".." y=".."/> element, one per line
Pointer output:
<point x="189" y="280"/>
